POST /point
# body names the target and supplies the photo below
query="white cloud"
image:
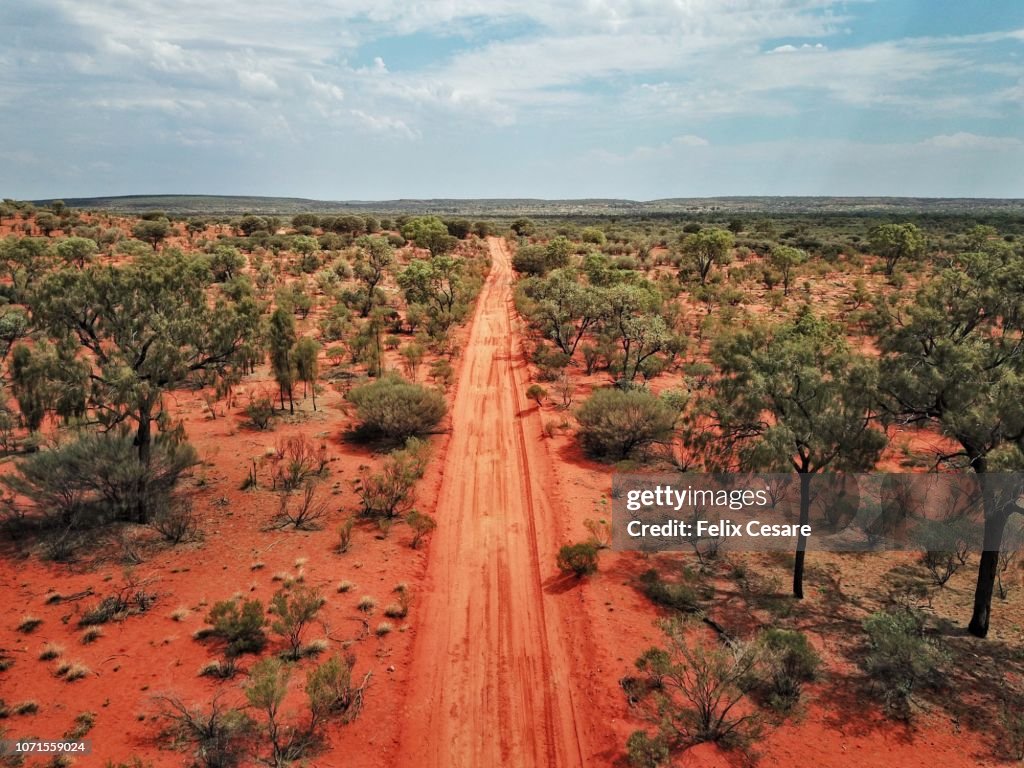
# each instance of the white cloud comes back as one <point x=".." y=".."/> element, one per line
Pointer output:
<point x="385" y="124"/>
<point x="964" y="140"/>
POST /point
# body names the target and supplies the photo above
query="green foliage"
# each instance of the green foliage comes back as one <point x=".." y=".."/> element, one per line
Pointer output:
<point x="616" y="425"/>
<point x="421" y="524"/>
<point x="429" y="232"/>
<point x="95" y="478"/>
<point x="578" y="559"/>
<point x="389" y="493"/>
<point x="789" y="662"/>
<point x="901" y="659"/>
<point x="293" y="610"/>
<point x="331" y="691"/>
<point x="152" y="232"/>
<point x="396" y="409"/>
<point x="894" y="242"/>
<point x="77" y="250"/>
<point x="217" y="737"/>
<point x="225" y="262"/>
<point x="692" y="694"/>
<point x="239" y="624"/>
<point x="281" y="338"/>
<point x="679" y="596"/>
<point x="374" y="258"/>
<point x="785" y="259"/>
<point x="707" y="248"/>
<point x="537" y="393"/>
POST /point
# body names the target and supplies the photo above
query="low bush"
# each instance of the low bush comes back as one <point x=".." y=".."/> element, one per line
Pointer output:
<point x="239" y="624"/>
<point x="617" y="425"/>
<point x="900" y="659"/>
<point x="396" y="409"/>
<point x="578" y="559"/>
<point x="680" y="596"/>
<point x="789" y="662"/>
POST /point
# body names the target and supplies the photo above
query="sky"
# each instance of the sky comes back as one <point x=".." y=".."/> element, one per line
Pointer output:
<point x="386" y="99"/>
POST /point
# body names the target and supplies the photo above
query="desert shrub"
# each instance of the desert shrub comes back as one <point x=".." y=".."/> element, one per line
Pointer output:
<point x="600" y="532"/>
<point x="421" y="524"/>
<point x="646" y="751"/>
<point x="1011" y="718"/>
<point x="293" y="611"/>
<point x="305" y="513"/>
<point x="331" y="691"/>
<point x="900" y="658"/>
<point x="96" y="478"/>
<point x="789" y="662"/>
<point x="680" y="596"/>
<point x="390" y="492"/>
<point x="537" y="393"/>
<point x="239" y="624"/>
<point x="345" y="534"/>
<point x="396" y="409"/>
<point x="616" y="424"/>
<point x="691" y="693"/>
<point x="131" y="597"/>
<point x="217" y="736"/>
<point x="260" y="410"/>
<point x="176" y="522"/>
<point x="579" y="559"/>
<point x="297" y="459"/>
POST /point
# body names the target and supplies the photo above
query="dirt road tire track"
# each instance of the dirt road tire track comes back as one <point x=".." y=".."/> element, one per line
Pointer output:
<point x="491" y="679"/>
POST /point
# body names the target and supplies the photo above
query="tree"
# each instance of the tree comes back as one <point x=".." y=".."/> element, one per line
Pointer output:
<point x="616" y="424"/>
<point x="153" y="232"/>
<point x="77" y="250"/>
<point x="437" y="283"/>
<point x="47" y="223"/>
<point x="563" y="310"/>
<point x="954" y="358"/>
<point x="225" y="262"/>
<point x="429" y="232"/>
<point x="142" y="329"/>
<point x="281" y="343"/>
<point x="796" y="398"/>
<point x="896" y="241"/>
<point x="307" y="364"/>
<point x="707" y="248"/>
<point x="523" y="227"/>
<point x="785" y="258"/>
<point x="375" y="257"/>
<point x="632" y="318"/>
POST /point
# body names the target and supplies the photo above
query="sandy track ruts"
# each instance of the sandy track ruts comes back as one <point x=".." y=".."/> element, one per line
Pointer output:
<point x="490" y="678"/>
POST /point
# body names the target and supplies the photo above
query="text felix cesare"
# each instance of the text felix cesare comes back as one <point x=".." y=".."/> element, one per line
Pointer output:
<point x="676" y="499"/>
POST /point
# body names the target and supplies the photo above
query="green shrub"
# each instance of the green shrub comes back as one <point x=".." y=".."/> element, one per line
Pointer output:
<point x="395" y="409"/>
<point x="617" y="425"/>
<point x="239" y="624"/>
<point x="790" y="662"/>
<point x="578" y="559"/>
<point x="679" y="596"/>
<point x="900" y="658"/>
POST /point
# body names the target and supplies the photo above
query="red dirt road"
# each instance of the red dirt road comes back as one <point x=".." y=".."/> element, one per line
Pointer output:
<point x="490" y="674"/>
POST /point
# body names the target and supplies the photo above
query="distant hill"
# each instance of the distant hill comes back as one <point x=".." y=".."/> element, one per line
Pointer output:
<point x="235" y="205"/>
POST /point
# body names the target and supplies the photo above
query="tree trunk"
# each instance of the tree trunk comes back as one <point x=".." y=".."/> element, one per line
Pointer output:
<point x="995" y="524"/>
<point x="801" y="543"/>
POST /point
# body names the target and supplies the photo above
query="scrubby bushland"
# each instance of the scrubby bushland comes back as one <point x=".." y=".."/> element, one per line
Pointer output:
<point x="395" y="409"/>
<point x="217" y="736"/>
<point x="901" y="658"/>
<point x="691" y="691"/>
<point x="616" y="425"/>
